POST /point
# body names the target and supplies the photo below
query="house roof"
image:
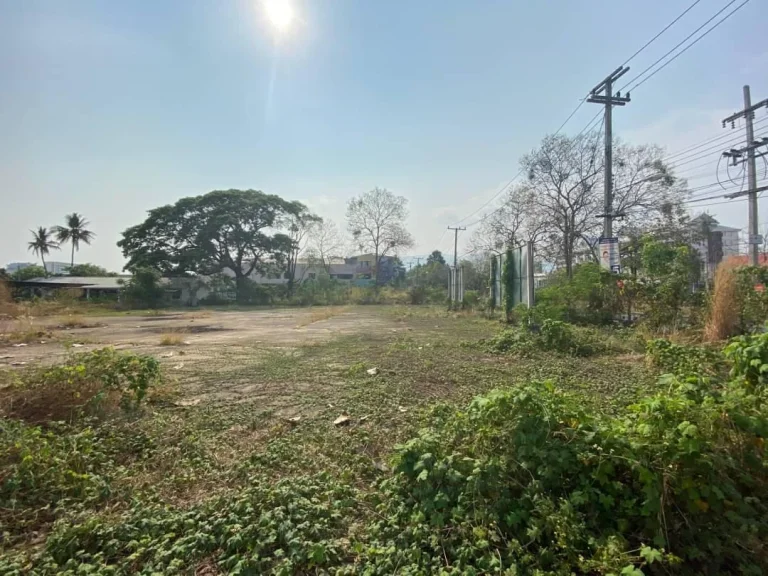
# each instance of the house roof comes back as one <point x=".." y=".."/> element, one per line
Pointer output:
<point x="100" y="282"/>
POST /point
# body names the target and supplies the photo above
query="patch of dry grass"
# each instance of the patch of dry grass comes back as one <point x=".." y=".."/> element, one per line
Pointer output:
<point x="171" y="339"/>
<point x="320" y="315"/>
<point x="75" y="321"/>
<point x="724" y="308"/>
<point x="8" y="307"/>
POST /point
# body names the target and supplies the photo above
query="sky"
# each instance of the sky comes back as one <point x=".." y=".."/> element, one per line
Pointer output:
<point x="113" y="108"/>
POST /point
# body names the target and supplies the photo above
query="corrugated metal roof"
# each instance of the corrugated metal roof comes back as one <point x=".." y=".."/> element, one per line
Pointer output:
<point x="102" y="282"/>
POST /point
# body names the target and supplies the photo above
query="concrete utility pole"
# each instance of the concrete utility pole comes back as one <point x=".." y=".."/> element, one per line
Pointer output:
<point x="749" y="113"/>
<point x="455" y="293"/>
<point x="609" y="100"/>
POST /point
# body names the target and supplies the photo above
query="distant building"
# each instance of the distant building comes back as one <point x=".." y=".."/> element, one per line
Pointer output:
<point x="715" y="243"/>
<point x="50" y="267"/>
<point x="89" y="286"/>
<point x="356" y="269"/>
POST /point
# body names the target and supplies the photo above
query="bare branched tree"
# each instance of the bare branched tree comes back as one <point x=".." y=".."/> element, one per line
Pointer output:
<point x="299" y="227"/>
<point x="518" y="219"/>
<point x="375" y="220"/>
<point x="564" y="173"/>
<point x="326" y="243"/>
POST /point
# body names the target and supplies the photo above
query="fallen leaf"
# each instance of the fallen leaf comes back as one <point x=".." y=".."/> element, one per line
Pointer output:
<point x="21" y="345"/>
<point x="42" y="341"/>
<point x="179" y="366"/>
<point x="364" y="418"/>
<point x="402" y="409"/>
<point x="18" y="363"/>
<point x="373" y="371"/>
<point x="341" y="420"/>
<point x="295" y="420"/>
<point x="166" y="355"/>
<point x="77" y="345"/>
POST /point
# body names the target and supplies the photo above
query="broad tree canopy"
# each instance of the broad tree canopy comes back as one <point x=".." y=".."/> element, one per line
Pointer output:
<point x="223" y="230"/>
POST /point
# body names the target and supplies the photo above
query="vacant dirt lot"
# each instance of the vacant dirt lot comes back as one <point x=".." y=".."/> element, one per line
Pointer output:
<point x="197" y="334"/>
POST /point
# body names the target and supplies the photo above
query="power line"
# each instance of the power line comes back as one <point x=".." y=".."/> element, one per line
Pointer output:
<point x="589" y="124"/>
<point x="667" y="27"/>
<point x="684" y="50"/>
<point x="705" y="142"/>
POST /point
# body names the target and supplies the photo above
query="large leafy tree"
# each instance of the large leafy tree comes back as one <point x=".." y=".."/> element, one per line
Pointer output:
<point x="42" y="243"/>
<point x="231" y="230"/>
<point x="436" y="256"/>
<point x="74" y="232"/>
<point x="29" y="272"/>
<point x="89" y="270"/>
<point x="375" y="220"/>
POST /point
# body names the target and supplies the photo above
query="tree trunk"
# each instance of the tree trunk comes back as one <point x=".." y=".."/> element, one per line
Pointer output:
<point x="376" y="271"/>
<point x="45" y="270"/>
<point x="72" y="262"/>
<point x="241" y="285"/>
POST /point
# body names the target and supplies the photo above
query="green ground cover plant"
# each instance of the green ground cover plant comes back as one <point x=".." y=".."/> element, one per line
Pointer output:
<point x="454" y="459"/>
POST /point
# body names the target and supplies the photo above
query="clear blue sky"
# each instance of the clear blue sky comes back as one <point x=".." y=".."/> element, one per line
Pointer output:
<point x="112" y="108"/>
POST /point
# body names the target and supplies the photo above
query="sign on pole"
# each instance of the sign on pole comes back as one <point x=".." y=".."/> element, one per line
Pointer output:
<point x="609" y="254"/>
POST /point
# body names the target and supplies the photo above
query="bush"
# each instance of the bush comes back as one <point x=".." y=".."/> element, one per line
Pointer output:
<point x="749" y="357"/>
<point x="87" y="384"/>
<point x="590" y="297"/>
<point x="417" y="294"/>
<point x="526" y="481"/>
<point x="752" y="282"/>
<point x="143" y="289"/>
<point x="682" y="360"/>
<point x="553" y="336"/>
<point x="471" y="299"/>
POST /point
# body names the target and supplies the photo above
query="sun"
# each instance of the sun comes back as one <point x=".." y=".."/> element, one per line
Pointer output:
<point x="279" y="13"/>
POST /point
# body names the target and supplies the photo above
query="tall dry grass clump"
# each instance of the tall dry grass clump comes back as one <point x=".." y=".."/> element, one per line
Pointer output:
<point x="7" y="306"/>
<point x="725" y="303"/>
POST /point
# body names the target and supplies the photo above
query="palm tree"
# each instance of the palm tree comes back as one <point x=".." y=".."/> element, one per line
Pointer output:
<point x="74" y="232"/>
<point x="42" y="244"/>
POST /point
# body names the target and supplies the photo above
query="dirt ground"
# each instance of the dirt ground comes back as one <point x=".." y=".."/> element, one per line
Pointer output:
<point x="208" y="342"/>
<point x="201" y="333"/>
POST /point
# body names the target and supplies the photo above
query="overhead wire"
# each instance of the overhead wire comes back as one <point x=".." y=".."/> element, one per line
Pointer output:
<point x="636" y="85"/>
<point x="578" y="107"/>
<point x="667" y="27"/>
<point x="684" y="50"/>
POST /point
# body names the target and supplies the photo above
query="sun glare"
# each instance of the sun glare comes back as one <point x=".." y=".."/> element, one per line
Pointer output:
<point x="279" y="13"/>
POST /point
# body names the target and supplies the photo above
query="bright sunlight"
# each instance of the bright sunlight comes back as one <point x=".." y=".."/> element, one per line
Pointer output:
<point x="280" y="13"/>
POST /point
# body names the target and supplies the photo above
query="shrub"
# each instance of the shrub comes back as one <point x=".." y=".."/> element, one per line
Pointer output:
<point x="417" y="294"/>
<point x="526" y="481"/>
<point x="143" y="290"/>
<point x="749" y="357"/>
<point x="682" y="360"/>
<point x="553" y="336"/>
<point x="87" y="384"/>
<point x="752" y="282"/>
<point x="568" y="339"/>
<point x="589" y="297"/>
<point x="471" y="299"/>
